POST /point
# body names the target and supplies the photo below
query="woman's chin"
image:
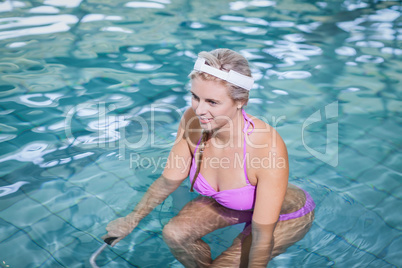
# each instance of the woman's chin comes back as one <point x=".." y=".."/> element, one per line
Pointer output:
<point x="207" y="126"/>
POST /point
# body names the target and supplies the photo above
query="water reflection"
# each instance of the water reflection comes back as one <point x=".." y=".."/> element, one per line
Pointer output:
<point x="58" y="23"/>
<point x="345" y="51"/>
<point x="9" y="189"/>
<point x="44" y="10"/>
<point x="238" y="5"/>
<point x="309" y="28"/>
<point x="7" y="137"/>
<point x="17" y="44"/>
<point x="116" y="29"/>
<point x="94" y="67"/>
<point x="289" y="74"/>
<point x="142" y="66"/>
<point x="9" y="5"/>
<point x="369" y="59"/>
<point x="144" y="5"/>
<point x="100" y="17"/>
<point x="54" y="28"/>
<point x="40" y="100"/>
<point x="32" y="152"/>
<point x="390" y="50"/>
<point x="280" y="92"/>
<point x="62" y="3"/>
<point x="291" y="52"/>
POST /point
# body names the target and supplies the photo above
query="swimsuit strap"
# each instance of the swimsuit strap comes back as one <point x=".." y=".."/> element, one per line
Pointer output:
<point x="198" y="143"/>
<point x="247" y="123"/>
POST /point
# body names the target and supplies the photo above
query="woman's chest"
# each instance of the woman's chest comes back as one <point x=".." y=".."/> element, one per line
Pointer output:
<point x="224" y="168"/>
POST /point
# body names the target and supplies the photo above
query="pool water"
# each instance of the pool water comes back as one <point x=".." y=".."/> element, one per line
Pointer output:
<point x="91" y="92"/>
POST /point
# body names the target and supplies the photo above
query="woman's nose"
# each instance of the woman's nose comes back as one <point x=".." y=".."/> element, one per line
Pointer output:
<point x="201" y="108"/>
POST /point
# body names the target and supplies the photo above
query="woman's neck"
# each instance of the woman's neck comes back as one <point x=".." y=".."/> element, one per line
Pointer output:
<point x="229" y="133"/>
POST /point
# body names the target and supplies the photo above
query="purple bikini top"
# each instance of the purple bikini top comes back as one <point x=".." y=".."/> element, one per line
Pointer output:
<point x="238" y="199"/>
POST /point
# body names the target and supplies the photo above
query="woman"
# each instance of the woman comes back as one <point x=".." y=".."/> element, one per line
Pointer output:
<point x="240" y="168"/>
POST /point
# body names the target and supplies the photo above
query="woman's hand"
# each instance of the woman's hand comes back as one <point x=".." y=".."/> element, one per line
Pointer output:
<point x="157" y="192"/>
<point x="119" y="229"/>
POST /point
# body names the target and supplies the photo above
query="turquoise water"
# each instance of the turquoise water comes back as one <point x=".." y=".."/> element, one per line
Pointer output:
<point x="90" y="96"/>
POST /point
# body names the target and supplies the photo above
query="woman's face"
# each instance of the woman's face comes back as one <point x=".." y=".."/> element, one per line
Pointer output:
<point x="212" y="104"/>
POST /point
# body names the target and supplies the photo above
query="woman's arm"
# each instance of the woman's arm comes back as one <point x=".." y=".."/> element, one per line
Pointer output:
<point x="156" y="193"/>
<point x="176" y="170"/>
<point x="271" y="189"/>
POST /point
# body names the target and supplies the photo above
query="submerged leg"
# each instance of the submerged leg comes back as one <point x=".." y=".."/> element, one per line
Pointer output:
<point x="199" y="217"/>
<point x="290" y="231"/>
<point x="203" y="215"/>
<point x="286" y="233"/>
<point x="237" y="253"/>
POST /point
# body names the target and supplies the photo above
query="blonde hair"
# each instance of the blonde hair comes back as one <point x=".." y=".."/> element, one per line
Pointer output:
<point x="225" y="59"/>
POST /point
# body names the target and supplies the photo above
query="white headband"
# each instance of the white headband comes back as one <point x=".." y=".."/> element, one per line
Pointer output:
<point x="233" y="77"/>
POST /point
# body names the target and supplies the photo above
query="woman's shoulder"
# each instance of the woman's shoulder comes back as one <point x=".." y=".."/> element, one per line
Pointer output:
<point x="189" y="120"/>
<point x="188" y="114"/>
<point x="264" y="135"/>
<point x="191" y="126"/>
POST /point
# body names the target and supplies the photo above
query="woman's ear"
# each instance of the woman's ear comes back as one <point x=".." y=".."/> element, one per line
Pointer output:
<point x="240" y="104"/>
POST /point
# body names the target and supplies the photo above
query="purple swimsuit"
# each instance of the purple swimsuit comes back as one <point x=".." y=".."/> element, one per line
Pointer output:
<point x="241" y="198"/>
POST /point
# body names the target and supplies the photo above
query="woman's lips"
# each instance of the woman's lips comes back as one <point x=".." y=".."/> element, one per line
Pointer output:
<point x="205" y="120"/>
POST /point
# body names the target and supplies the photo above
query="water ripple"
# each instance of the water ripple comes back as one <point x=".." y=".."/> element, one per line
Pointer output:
<point x="7" y="137"/>
<point x="384" y="15"/>
<point x="291" y="52"/>
<point x="352" y="6"/>
<point x="116" y="29"/>
<point x="280" y="92"/>
<point x="9" y="6"/>
<point x="369" y="59"/>
<point x="197" y="25"/>
<point x="32" y="152"/>
<point x="6" y="128"/>
<point x="17" y="44"/>
<point x="309" y="28"/>
<point x="6" y="23"/>
<point x="62" y="3"/>
<point x="44" y="9"/>
<point x="289" y="74"/>
<point x="248" y="30"/>
<point x="54" y="28"/>
<point x="100" y="17"/>
<point x="144" y="5"/>
<point x="281" y="24"/>
<point x="390" y="50"/>
<point x="40" y="99"/>
<point x="9" y="189"/>
<point x="142" y="66"/>
<point x="59" y="126"/>
<point x="238" y="5"/>
<point x="345" y="51"/>
<point x="375" y="44"/>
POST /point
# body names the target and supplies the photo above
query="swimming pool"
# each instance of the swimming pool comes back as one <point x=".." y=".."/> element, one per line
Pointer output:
<point x="90" y="96"/>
